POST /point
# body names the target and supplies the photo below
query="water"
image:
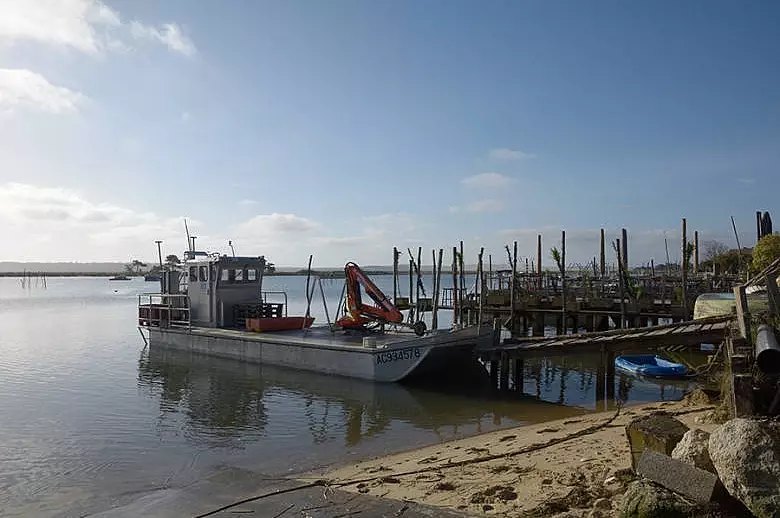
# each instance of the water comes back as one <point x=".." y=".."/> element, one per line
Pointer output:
<point x="90" y="418"/>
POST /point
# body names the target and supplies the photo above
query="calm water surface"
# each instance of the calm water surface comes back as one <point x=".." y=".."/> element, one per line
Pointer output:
<point x="90" y="418"/>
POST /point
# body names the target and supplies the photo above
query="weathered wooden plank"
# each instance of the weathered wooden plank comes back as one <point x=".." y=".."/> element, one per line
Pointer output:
<point x="743" y="316"/>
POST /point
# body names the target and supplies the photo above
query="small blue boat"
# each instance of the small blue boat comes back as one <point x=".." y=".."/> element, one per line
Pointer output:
<point x="651" y="365"/>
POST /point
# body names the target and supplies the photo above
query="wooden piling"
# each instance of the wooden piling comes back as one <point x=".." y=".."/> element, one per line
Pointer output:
<point x="493" y="373"/>
<point x="512" y="288"/>
<point x="437" y="292"/>
<point x="602" y="257"/>
<point x="480" y="287"/>
<point x="563" y="281"/>
<point x="456" y="309"/>
<point x="419" y="281"/>
<point x="462" y="290"/>
<point x="624" y="235"/>
<point x="411" y="291"/>
<point x="684" y="271"/>
<point x="395" y="275"/>
<point x="621" y="284"/>
<point x="517" y="374"/>
<point x="504" y="379"/>
<point x="539" y="261"/>
<point x="695" y="252"/>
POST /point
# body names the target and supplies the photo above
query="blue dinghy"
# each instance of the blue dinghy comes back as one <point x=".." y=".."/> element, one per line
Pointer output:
<point x="650" y="365"/>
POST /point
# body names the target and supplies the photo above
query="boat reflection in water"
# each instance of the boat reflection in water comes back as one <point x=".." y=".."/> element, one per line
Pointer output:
<point x="316" y="419"/>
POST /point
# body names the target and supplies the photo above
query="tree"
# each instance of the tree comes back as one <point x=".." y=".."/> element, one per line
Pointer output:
<point x="135" y="266"/>
<point x="172" y="259"/>
<point x="766" y="251"/>
<point x="713" y="249"/>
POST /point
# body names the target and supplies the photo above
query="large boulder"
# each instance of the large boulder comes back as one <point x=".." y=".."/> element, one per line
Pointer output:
<point x="694" y="449"/>
<point x="746" y="456"/>
<point x="646" y="500"/>
<point x="658" y="432"/>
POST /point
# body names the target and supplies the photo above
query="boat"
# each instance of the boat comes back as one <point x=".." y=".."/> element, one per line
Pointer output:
<point x="215" y="305"/>
<point x="119" y="278"/>
<point x="651" y="365"/>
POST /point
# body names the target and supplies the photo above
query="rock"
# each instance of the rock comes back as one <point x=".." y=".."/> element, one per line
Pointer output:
<point x="746" y="456"/>
<point x="658" y="432"/>
<point x="680" y="477"/>
<point x="646" y="500"/>
<point x="694" y="449"/>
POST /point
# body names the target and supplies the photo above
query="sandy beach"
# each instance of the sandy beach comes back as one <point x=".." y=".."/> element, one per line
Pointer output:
<point x="568" y="467"/>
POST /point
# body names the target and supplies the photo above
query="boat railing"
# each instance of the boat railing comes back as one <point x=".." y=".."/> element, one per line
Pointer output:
<point x="164" y="310"/>
<point x="270" y="297"/>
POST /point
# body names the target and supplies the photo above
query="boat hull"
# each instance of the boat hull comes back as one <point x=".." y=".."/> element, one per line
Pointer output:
<point x="278" y="323"/>
<point x="386" y="358"/>
<point x="651" y="366"/>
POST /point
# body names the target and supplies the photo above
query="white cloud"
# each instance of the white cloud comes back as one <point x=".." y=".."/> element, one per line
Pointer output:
<point x="87" y="26"/>
<point x="168" y="34"/>
<point x="272" y="225"/>
<point x="489" y="205"/>
<point x="20" y="88"/>
<point x="488" y="180"/>
<point x="52" y="223"/>
<point x="509" y="154"/>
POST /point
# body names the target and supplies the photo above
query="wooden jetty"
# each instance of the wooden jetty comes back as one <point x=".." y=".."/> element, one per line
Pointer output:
<point x="506" y="357"/>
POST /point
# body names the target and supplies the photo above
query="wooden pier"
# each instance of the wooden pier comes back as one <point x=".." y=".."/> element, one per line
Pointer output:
<point x="506" y="357"/>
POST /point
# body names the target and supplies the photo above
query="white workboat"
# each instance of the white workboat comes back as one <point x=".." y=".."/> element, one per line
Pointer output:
<point x="215" y="305"/>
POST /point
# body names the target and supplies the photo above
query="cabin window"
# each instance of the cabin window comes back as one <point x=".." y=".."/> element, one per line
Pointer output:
<point x="204" y="274"/>
<point x="251" y="275"/>
<point x="239" y="275"/>
<point x="225" y="275"/>
<point x="231" y="276"/>
<point x="193" y="274"/>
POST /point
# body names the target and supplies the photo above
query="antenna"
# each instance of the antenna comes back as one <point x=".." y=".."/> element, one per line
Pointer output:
<point x="189" y="240"/>
<point x="230" y="244"/>
<point x="193" y="238"/>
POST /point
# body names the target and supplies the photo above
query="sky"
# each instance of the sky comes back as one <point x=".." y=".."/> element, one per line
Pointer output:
<point x="344" y="128"/>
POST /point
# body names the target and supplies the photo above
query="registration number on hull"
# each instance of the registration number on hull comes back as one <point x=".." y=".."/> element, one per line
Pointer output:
<point x="412" y="353"/>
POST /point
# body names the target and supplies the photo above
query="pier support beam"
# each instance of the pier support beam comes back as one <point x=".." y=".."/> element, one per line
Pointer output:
<point x="493" y="372"/>
<point x="504" y="374"/>
<point x="517" y="372"/>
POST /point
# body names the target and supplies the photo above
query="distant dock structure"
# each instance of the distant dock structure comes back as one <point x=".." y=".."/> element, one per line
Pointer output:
<point x="30" y="280"/>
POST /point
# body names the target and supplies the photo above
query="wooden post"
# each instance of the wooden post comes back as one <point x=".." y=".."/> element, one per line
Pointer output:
<point x="437" y="292"/>
<point x="512" y="289"/>
<point x="684" y="271"/>
<point x="411" y="291"/>
<point x="455" y="305"/>
<point x="743" y="316"/>
<point x="462" y="281"/>
<point x="418" y="281"/>
<point x="773" y="296"/>
<point x="493" y="372"/>
<point x="517" y="373"/>
<point x="621" y="284"/>
<point x="624" y="234"/>
<point x="563" y="281"/>
<point x="395" y="275"/>
<point x="504" y="380"/>
<point x="539" y="261"/>
<point x="490" y="271"/>
<point x="652" y="267"/>
<point x="479" y="286"/>
<point x="603" y="257"/>
<point x="758" y="225"/>
<point x="695" y="252"/>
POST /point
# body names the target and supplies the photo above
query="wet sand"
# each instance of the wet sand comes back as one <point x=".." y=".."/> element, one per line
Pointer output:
<point x="570" y="466"/>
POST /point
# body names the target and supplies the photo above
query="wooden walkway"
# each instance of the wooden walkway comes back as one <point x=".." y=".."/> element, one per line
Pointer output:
<point x="684" y="334"/>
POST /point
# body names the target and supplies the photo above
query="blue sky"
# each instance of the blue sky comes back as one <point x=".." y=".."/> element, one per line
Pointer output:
<point x="345" y="128"/>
